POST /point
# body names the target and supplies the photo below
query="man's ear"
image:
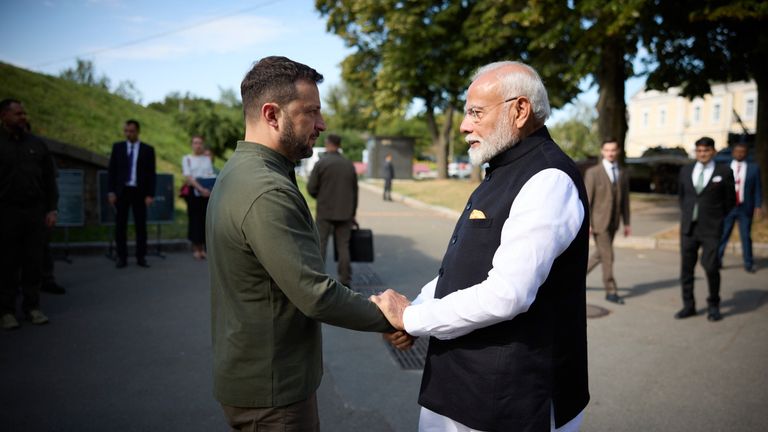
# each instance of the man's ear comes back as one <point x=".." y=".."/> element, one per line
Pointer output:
<point x="270" y="112"/>
<point x="524" y="111"/>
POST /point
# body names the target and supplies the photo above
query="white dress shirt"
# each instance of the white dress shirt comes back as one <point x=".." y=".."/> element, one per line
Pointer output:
<point x="533" y="236"/>
<point x="609" y="167"/>
<point x="132" y="150"/>
<point x="709" y="168"/>
<point x="740" y="177"/>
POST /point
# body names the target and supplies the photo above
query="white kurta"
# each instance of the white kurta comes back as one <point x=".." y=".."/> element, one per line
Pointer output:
<point x="543" y="221"/>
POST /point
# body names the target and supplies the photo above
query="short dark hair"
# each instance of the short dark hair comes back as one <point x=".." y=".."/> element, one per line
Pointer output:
<point x="741" y="144"/>
<point x="5" y="104"/>
<point x="705" y="142"/>
<point x="273" y="79"/>
<point x="133" y="122"/>
<point x="334" y="139"/>
<point x="609" y="140"/>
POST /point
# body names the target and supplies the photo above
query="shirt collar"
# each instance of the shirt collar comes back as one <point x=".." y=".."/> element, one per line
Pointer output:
<point x="286" y="165"/>
<point x="709" y="165"/>
<point x="610" y="165"/>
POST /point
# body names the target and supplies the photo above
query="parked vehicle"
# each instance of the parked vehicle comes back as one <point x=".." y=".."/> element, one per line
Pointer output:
<point x="460" y="168"/>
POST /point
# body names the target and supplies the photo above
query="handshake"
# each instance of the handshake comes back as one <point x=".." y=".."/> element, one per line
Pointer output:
<point x="392" y="304"/>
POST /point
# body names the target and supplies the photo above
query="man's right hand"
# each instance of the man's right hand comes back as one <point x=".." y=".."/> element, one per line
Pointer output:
<point x="400" y="340"/>
<point x="112" y="198"/>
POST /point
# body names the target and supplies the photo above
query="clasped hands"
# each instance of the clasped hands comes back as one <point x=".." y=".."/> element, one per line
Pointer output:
<point x="392" y="304"/>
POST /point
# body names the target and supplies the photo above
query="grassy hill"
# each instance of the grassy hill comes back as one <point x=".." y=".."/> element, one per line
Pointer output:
<point x="90" y="117"/>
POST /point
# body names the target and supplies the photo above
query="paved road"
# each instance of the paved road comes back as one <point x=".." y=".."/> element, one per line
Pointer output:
<point x="130" y="350"/>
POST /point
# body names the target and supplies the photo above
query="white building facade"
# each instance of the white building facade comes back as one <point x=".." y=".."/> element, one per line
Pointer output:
<point x="668" y="120"/>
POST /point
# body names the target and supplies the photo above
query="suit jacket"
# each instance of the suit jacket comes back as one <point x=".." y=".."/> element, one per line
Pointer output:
<point x="333" y="183"/>
<point x="715" y="201"/>
<point x="604" y="215"/>
<point x="753" y="192"/>
<point x="119" y="167"/>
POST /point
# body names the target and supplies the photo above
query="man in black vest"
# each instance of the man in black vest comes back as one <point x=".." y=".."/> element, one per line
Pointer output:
<point x="131" y="186"/>
<point x="707" y="194"/>
<point x="507" y="311"/>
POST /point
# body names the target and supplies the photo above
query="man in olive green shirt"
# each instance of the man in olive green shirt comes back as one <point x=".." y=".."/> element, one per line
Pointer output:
<point x="269" y="291"/>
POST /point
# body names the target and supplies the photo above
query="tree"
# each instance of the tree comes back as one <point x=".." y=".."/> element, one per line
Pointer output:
<point x="578" y="134"/>
<point x="697" y="42"/>
<point x="85" y="73"/>
<point x="127" y="90"/>
<point x="426" y="50"/>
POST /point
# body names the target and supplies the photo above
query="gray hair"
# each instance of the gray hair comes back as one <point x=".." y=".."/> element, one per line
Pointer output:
<point x="526" y="84"/>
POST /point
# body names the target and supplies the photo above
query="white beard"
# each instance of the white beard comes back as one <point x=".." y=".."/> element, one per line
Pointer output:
<point x="502" y="138"/>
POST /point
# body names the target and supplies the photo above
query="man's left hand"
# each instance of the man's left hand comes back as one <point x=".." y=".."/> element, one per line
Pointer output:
<point x="627" y="231"/>
<point x="392" y="305"/>
<point x="148" y="201"/>
<point x="50" y="218"/>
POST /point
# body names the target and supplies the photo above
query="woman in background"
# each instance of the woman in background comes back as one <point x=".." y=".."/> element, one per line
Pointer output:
<point x="198" y="171"/>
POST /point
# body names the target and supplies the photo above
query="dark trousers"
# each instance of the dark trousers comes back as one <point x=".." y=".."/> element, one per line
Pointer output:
<point x="46" y="275"/>
<point x="22" y="233"/>
<point x="298" y="417"/>
<point x="133" y="200"/>
<point x="196" y="208"/>
<point x="689" y="251"/>
<point x="604" y="255"/>
<point x="342" y="231"/>
<point x="745" y="233"/>
<point x="388" y="189"/>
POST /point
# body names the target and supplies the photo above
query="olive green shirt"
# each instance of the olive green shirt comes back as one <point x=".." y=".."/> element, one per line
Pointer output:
<point x="269" y="290"/>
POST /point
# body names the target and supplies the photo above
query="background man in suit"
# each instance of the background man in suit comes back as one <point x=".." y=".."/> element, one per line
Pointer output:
<point x="749" y="200"/>
<point x="333" y="183"/>
<point x="608" y="190"/>
<point x="131" y="186"/>
<point x="389" y="175"/>
<point x="706" y="194"/>
<point x="28" y="199"/>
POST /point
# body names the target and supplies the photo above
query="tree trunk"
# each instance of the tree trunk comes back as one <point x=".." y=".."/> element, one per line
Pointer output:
<point x="611" y="108"/>
<point x="439" y="143"/>
<point x="761" y="134"/>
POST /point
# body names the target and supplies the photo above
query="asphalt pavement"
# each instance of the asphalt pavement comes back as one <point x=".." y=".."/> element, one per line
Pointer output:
<point x="129" y="350"/>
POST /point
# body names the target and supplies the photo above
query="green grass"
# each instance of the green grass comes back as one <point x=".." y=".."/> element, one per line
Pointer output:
<point x="90" y="117"/>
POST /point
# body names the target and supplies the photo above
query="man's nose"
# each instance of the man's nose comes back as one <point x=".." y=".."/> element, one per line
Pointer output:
<point x="466" y="126"/>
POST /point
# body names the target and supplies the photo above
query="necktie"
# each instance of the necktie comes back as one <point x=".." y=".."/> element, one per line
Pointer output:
<point x="130" y="162"/>
<point x="738" y="183"/>
<point x="699" y="186"/>
<point x="615" y="173"/>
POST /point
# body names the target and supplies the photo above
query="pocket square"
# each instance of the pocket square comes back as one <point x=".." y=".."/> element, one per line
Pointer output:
<point x="477" y="214"/>
<point x="717" y="179"/>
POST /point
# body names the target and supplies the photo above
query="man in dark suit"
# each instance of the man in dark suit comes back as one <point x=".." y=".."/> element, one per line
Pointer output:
<point x="608" y="191"/>
<point x="131" y="185"/>
<point x="706" y="196"/>
<point x="333" y="183"/>
<point x="749" y="200"/>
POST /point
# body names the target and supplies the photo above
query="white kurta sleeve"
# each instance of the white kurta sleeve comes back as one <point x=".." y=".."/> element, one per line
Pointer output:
<point x="536" y="232"/>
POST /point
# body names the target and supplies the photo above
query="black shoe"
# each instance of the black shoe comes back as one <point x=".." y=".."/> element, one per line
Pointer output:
<point x="751" y="269"/>
<point x="120" y="263"/>
<point x="614" y="298"/>
<point x="685" y="312"/>
<point x="53" y="288"/>
<point x="142" y="263"/>
<point x="713" y="313"/>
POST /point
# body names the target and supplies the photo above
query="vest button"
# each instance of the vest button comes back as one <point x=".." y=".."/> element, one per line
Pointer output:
<point x="453" y="240"/>
<point x="488" y="177"/>
<point x="440" y="272"/>
<point x="469" y="205"/>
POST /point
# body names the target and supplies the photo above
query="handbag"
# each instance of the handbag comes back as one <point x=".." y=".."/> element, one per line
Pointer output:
<point x="185" y="191"/>
<point x="360" y="246"/>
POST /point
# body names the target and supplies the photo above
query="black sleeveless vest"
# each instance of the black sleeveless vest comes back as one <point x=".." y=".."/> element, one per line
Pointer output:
<point x="508" y="376"/>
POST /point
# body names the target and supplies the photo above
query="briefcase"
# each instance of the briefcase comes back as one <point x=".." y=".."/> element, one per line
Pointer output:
<point x="360" y="246"/>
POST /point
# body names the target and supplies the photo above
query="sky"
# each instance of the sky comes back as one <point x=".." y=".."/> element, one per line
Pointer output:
<point x="186" y="46"/>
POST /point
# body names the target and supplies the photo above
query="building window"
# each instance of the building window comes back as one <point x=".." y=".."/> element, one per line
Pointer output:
<point x="749" y="110"/>
<point x="645" y="119"/>
<point x="716" y="113"/>
<point x="696" y="114"/>
<point x="662" y="117"/>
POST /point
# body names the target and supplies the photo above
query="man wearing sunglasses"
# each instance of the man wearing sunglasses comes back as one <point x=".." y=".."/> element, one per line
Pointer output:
<point x="507" y="310"/>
